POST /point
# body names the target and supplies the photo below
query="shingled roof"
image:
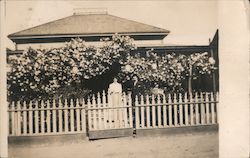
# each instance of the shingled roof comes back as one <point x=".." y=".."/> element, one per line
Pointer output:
<point x="87" y="25"/>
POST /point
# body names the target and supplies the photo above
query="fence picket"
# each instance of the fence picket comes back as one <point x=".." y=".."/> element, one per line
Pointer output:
<point x="202" y="105"/>
<point x="99" y="120"/>
<point x="197" y="117"/>
<point x="175" y="111"/>
<point x="125" y="111"/>
<point x="78" y="126"/>
<point x="83" y="117"/>
<point x="110" y="112"/>
<point x="207" y="109"/>
<point x="147" y="111"/>
<point x="191" y="109"/>
<point x="66" y="116"/>
<point x="90" y="118"/>
<point x="60" y="121"/>
<point x="36" y="117"/>
<point x="137" y="121"/>
<point x="54" y="120"/>
<point x="153" y="112"/>
<point x="186" y="109"/>
<point x="30" y="112"/>
<point x="18" y="118"/>
<point x="180" y="110"/>
<point x="24" y="124"/>
<point x="159" y="111"/>
<point x="94" y="113"/>
<point x="105" y="111"/>
<point x="12" y="119"/>
<point x="142" y="112"/>
<point x="212" y="108"/>
<point x="48" y="117"/>
<point x="164" y="111"/>
<point x="42" y="117"/>
<point x="72" y="116"/>
<point x="170" y="121"/>
<point x="130" y="111"/>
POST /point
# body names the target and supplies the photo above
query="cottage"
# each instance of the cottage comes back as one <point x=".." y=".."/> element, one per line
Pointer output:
<point x="93" y="26"/>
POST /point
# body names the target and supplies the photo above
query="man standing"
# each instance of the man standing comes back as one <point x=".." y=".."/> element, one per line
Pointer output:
<point x="134" y="88"/>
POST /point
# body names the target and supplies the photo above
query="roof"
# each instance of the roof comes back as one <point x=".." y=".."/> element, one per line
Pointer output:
<point x="89" y="25"/>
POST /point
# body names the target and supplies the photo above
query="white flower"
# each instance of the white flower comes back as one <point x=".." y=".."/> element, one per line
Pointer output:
<point x="154" y="66"/>
<point x="211" y="60"/>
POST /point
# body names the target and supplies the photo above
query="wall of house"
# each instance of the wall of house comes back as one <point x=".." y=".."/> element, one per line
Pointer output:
<point x="60" y="44"/>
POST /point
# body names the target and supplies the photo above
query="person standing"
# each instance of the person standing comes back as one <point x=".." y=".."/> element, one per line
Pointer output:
<point x="135" y="91"/>
<point x="115" y="100"/>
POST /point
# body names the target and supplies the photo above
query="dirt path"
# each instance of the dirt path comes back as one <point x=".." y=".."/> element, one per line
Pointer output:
<point x="173" y="146"/>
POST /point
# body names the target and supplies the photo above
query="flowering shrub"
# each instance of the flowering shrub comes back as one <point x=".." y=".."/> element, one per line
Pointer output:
<point x="169" y="70"/>
<point x="41" y="73"/>
<point x="46" y="73"/>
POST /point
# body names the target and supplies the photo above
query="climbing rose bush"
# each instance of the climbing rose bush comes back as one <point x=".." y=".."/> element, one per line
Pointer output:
<point x="44" y="72"/>
<point x="39" y="73"/>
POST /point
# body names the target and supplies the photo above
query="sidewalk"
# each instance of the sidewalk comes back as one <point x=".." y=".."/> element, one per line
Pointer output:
<point x="195" y="145"/>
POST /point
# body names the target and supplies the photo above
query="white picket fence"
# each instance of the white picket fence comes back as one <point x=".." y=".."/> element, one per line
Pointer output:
<point x="54" y="117"/>
<point x="46" y="118"/>
<point x="103" y="115"/>
<point x="175" y="111"/>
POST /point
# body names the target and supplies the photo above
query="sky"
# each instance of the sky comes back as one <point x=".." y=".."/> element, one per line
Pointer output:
<point x="190" y="22"/>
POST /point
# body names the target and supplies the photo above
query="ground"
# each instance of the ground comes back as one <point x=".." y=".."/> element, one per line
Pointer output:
<point x="182" y="145"/>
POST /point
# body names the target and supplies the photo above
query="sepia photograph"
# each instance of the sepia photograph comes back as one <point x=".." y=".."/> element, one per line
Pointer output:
<point x="115" y="79"/>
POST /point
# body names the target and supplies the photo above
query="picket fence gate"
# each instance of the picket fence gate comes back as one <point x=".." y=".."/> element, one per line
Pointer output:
<point x="96" y="118"/>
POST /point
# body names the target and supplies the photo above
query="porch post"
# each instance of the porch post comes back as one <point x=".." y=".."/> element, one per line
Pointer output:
<point x="3" y="86"/>
<point x="212" y="55"/>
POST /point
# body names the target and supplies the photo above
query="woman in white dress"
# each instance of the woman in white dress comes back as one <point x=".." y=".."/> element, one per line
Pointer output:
<point x="115" y="99"/>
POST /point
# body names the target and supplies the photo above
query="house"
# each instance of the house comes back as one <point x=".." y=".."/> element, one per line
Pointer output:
<point x="93" y="26"/>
